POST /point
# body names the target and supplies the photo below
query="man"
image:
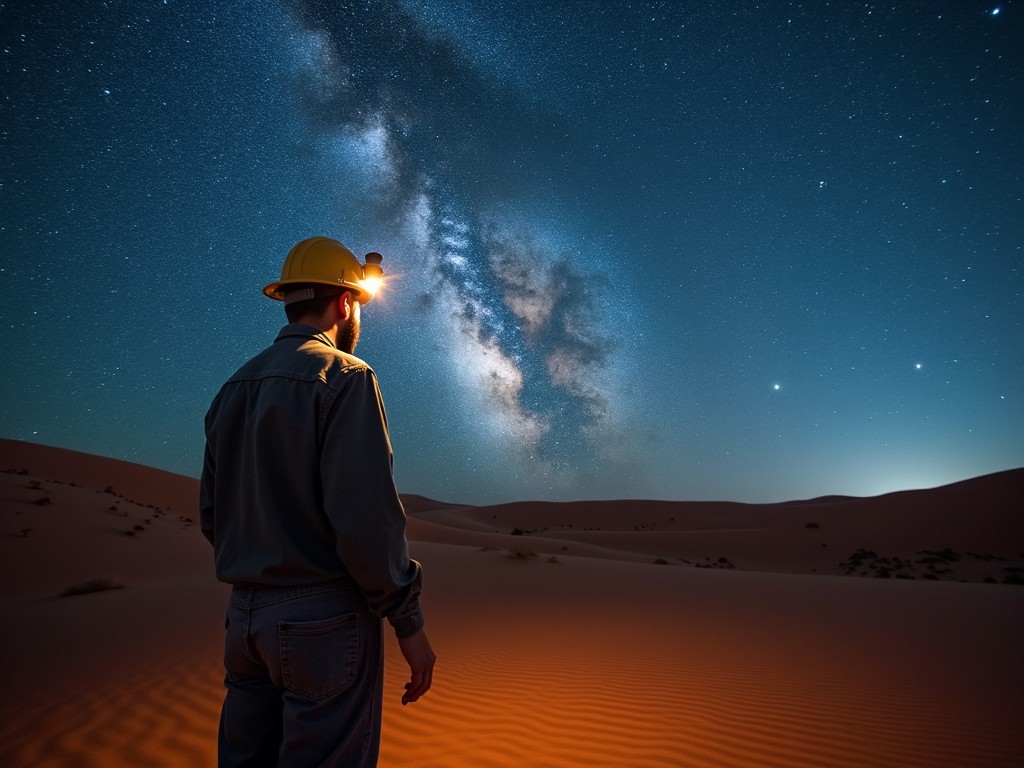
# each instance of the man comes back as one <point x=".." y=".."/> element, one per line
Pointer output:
<point x="298" y="499"/>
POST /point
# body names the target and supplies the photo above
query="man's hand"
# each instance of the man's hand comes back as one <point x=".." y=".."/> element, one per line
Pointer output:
<point x="420" y="657"/>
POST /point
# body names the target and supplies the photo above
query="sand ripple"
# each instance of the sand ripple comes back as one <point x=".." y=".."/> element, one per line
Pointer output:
<point x="624" y="700"/>
<point x="537" y="705"/>
<point x="163" y="717"/>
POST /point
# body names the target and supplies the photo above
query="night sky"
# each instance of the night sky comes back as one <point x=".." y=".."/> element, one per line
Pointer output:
<point x="753" y="251"/>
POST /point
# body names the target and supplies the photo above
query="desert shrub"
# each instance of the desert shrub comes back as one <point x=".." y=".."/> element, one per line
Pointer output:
<point x="1014" y="576"/>
<point x="91" y="586"/>
<point x="811" y="525"/>
<point x="522" y="554"/>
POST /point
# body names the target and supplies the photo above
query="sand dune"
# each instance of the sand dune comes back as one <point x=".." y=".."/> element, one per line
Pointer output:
<point x="563" y="644"/>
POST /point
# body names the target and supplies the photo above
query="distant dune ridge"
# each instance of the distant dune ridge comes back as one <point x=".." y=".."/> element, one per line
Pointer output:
<point x="828" y="632"/>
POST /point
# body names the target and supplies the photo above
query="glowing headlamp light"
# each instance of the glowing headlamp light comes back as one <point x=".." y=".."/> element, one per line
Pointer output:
<point x="373" y="275"/>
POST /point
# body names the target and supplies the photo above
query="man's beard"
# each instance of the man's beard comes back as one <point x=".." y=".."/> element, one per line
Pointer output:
<point x="348" y="336"/>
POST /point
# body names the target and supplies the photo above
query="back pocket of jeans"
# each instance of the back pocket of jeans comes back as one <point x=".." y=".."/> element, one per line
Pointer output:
<point x="319" y="658"/>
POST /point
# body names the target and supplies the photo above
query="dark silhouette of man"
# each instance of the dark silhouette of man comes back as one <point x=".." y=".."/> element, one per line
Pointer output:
<point x="298" y="499"/>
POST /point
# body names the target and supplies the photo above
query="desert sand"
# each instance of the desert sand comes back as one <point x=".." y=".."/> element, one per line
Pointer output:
<point x="832" y="632"/>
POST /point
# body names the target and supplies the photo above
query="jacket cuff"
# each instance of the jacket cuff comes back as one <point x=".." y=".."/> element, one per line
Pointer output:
<point x="408" y="625"/>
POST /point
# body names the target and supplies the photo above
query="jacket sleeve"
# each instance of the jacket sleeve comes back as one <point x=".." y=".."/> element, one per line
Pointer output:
<point x="206" y="482"/>
<point x="362" y="503"/>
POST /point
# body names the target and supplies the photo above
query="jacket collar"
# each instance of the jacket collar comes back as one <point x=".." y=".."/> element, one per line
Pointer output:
<point x="304" y="331"/>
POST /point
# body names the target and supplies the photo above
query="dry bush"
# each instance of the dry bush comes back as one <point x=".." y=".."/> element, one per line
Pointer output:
<point x="522" y="554"/>
<point x="91" y="586"/>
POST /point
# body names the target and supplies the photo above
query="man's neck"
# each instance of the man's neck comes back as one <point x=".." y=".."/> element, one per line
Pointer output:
<point x="324" y="325"/>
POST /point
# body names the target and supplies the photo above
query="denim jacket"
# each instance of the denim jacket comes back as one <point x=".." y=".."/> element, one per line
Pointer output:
<point x="297" y="485"/>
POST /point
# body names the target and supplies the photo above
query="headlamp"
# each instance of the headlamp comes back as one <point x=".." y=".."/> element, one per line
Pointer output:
<point x="373" y="275"/>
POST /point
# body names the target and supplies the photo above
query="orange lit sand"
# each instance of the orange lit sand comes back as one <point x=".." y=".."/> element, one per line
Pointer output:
<point x="599" y="659"/>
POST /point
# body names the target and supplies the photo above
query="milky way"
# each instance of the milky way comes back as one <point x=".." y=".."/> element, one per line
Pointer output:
<point x="528" y="340"/>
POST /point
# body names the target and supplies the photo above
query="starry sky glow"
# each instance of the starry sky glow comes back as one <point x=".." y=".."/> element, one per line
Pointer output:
<point x="759" y="251"/>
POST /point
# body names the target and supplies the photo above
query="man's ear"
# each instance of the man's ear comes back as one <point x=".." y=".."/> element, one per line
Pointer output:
<point x="345" y="305"/>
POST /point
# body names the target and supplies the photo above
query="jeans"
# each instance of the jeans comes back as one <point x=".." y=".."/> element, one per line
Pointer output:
<point x="304" y="678"/>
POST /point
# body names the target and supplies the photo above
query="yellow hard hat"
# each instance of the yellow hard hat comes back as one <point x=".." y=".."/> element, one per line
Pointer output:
<point x="323" y="261"/>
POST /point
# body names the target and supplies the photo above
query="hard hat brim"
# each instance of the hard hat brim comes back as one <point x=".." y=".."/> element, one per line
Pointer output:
<point x="275" y="290"/>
